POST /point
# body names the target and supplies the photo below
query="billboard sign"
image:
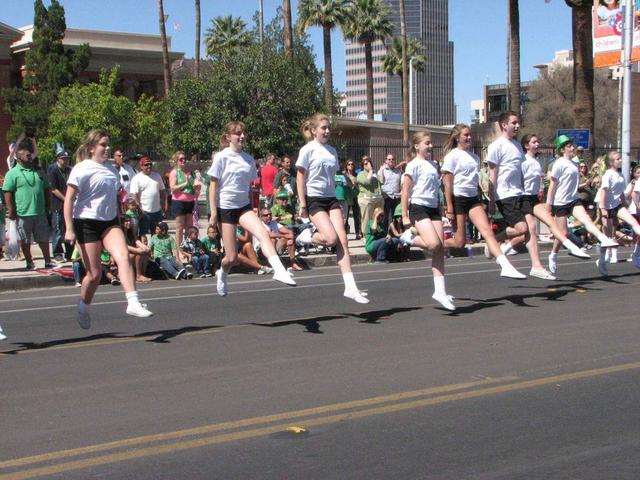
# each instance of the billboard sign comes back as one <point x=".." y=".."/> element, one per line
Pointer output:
<point x="608" y="23"/>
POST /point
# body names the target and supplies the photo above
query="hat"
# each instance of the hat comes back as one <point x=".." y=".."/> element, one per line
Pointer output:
<point x="398" y="211"/>
<point x="144" y="160"/>
<point x="561" y="141"/>
<point x="61" y="152"/>
<point x="282" y="196"/>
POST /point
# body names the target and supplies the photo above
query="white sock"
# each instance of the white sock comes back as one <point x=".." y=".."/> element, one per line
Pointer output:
<point x="438" y="285"/>
<point x="349" y="281"/>
<point x="503" y="261"/>
<point x="506" y="247"/>
<point x="83" y="307"/>
<point x="132" y="298"/>
<point x="569" y="245"/>
<point x="276" y="264"/>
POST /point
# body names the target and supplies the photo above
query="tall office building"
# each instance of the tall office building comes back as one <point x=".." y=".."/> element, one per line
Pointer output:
<point x="431" y="91"/>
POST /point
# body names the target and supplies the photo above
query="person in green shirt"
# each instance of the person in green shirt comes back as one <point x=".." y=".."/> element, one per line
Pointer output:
<point x="282" y="211"/>
<point x="378" y="243"/>
<point x="213" y="247"/>
<point x="369" y="196"/>
<point x="26" y="195"/>
<point x="165" y="252"/>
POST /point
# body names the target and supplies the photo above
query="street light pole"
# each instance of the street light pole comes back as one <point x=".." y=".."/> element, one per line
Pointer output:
<point x="626" y="88"/>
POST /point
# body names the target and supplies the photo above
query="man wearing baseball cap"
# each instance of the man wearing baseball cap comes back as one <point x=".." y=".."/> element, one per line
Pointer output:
<point x="147" y="188"/>
<point x="58" y="173"/>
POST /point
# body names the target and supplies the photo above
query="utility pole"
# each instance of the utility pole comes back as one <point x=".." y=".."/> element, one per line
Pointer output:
<point x="626" y="88"/>
<point x="261" y="22"/>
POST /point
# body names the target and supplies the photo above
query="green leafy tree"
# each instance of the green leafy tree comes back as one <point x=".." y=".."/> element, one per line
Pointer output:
<point x="225" y="36"/>
<point x="261" y="87"/>
<point x="48" y="67"/>
<point x="326" y="14"/>
<point x="369" y="20"/>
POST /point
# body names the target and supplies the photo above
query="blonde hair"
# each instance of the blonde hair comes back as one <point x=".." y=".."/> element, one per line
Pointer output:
<point x="173" y="161"/>
<point x="230" y="128"/>
<point x="415" y="139"/>
<point x="609" y="159"/>
<point x="91" y="139"/>
<point x="452" y="141"/>
<point x="313" y="122"/>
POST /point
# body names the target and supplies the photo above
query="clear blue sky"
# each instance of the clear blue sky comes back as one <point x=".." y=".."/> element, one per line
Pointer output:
<point x="477" y="28"/>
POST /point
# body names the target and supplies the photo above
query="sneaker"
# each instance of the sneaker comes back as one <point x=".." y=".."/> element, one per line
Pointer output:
<point x="553" y="263"/>
<point x="180" y="274"/>
<point x="188" y="275"/>
<point x="221" y="282"/>
<point x="31" y="266"/>
<point x="614" y="255"/>
<point x="49" y="265"/>
<point x="445" y="300"/>
<point x="284" y="278"/>
<point x="59" y="259"/>
<point x="357" y="295"/>
<point x="2" y="335"/>
<point x="608" y="243"/>
<point x="115" y="281"/>
<point x="509" y="271"/>
<point x="512" y="251"/>
<point x="407" y="236"/>
<point x="78" y="284"/>
<point x="487" y="252"/>
<point x="261" y="271"/>
<point x="602" y="268"/>
<point x="541" y="273"/>
<point x="575" y="251"/>
<point x="84" y="320"/>
<point x="204" y="275"/>
<point x="138" y="310"/>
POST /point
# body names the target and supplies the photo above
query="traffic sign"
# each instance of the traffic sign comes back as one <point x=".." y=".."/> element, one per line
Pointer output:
<point x="580" y="136"/>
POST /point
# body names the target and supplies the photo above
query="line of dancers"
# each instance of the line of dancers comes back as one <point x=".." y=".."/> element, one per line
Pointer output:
<point x="515" y="189"/>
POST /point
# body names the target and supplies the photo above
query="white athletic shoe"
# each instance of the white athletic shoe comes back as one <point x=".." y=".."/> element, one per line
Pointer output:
<point x="138" y="310"/>
<point x="553" y="263"/>
<point x="602" y="268"/>
<point x="445" y="300"/>
<point x="284" y="278"/>
<point x="84" y="320"/>
<point x="578" y="252"/>
<point x="509" y="271"/>
<point x="614" y="255"/>
<point x="407" y="236"/>
<point x="487" y="252"/>
<point x="512" y="251"/>
<point x="608" y="243"/>
<point x="2" y="335"/>
<point x="221" y="282"/>
<point x="357" y="295"/>
<point x="541" y="273"/>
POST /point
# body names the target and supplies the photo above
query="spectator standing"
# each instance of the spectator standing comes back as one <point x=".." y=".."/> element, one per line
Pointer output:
<point x="58" y="173"/>
<point x="126" y="175"/>
<point x="389" y="177"/>
<point x="369" y="197"/>
<point x="184" y="192"/>
<point x="147" y="188"/>
<point x="352" y="200"/>
<point x="91" y="216"/>
<point x="268" y="174"/>
<point x="27" y="195"/>
<point x="287" y="168"/>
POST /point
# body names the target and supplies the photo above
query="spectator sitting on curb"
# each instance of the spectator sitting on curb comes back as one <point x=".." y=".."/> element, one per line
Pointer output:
<point x="138" y="251"/>
<point x="247" y="255"/>
<point x="282" y="211"/>
<point x="79" y="270"/>
<point x="212" y="246"/>
<point x="109" y="268"/>
<point x="133" y="213"/>
<point x="395" y="231"/>
<point x="164" y="252"/>
<point x="282" y="238"/>
<point x="195" y="253"/>
<point x="379" y="244"/>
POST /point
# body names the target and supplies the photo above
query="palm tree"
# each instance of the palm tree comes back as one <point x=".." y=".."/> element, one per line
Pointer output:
<point x="369" y="21"/>
<point x="514" y="54"/>
<point x="288" y="32"/>
<point x="326" y="14"/>
<point x="584" y="102"/>
<point x="198" y="34"/>
<point x="392" y="63"/>
<point x="165" y="49"/>
<point x="225" y="35"/>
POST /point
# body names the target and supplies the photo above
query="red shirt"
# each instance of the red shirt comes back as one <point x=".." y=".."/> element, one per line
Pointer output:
<point x="268" y="174"/>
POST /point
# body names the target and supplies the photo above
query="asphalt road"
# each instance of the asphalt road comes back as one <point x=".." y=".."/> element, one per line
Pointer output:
<point x="526" y="380"/>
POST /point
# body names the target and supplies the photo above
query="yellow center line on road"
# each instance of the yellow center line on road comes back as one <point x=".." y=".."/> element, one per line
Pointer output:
<point x="311" y="422"/>
<point x="252" y="421"/>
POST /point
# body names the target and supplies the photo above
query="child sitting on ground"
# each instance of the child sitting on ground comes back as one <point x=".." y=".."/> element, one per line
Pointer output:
<point x="164" y="252"/>
<point x="195" y="253"/>
<point x="213" y="247"/>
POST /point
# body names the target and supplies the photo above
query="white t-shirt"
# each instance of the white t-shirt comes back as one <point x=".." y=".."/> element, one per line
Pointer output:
<point x="465" y="167"/>
<point x="98" y="185"/>
<point x="566" y="173"/>
<point x="126" y="175"/>
<point x="425" y="182"/>
<point x="235" y="171"/>
<point x="149" y="188"/>
<point x="507" y="156"/>
<point x="320" y="161"/>
<point x="632" y="205"/>
<point x="613" y="184"/>
<point x="532" y="175"/>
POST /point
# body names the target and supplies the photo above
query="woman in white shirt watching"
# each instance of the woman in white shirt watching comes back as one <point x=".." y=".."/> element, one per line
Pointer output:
<point x="231" y="173"/>
<point x="317" y="165"/>
<point x="91" y="215"/>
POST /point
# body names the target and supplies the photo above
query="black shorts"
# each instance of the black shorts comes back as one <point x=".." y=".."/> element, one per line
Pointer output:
<point x="178" y="207"/>
<point x="564" y="210"/>
<point x="322" y="204"/>
<point x="527" y="202"/>
<point x="232" y="215"/>
<point x="420" y="212"/>
<point x="510" y="210"/>
<point x="89" y="230"/>
<point x="462" y="205"/>
<point x="613" y="212"/>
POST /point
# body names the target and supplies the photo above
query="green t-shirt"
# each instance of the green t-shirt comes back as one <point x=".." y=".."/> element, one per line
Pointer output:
<point x="341" y="191"/>
<point x="282" y="215"/>
<point x="104" y="256"/>
<point x="373" y="235"/>
<point x="162" y="247"/>
<point x="211" y="244"/>
<point x="368" y="188"/>
<point x="28" y="188"/>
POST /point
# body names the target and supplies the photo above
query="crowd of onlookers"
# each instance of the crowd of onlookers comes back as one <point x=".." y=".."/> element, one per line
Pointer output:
<point x="370" y="197"/>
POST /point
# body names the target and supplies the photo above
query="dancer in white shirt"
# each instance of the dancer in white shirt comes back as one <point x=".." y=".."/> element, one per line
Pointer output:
<point x="317" y="165"/>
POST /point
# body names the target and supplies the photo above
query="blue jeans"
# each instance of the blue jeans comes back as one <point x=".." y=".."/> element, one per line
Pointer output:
<point x="381" y="249"/>
<point x="148" y="222"/>
<point x="78" y="272"/>
<point x="170" y="265"/>
<point x="57" y="235"/>
<point x="200" y="263"/>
